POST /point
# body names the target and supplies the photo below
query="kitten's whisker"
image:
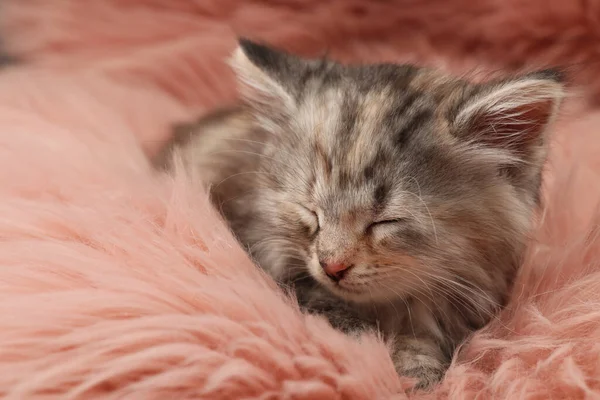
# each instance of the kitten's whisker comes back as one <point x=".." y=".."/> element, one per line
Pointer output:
<point x="451" y="296"/>
<point x="419" y="278"/>
<point x="412" y="178"/>
<point x="248" y="152"/>
<point x="481" y="291"/>
<point x="459" y="296"/>
<point x="257" y="142"/>
<point x="246" y="140"/>
<point x="451" y="292"/>
<point x="421" y="293"/>
<point x="398" y="316"/>
<point x="412" y="327"/>
<point x="475" y="291"/>
<point x="457" y="284"/>
<point x="238" y="174"/>
<point x="241" y="195"/>
<point x="297" y="279"/>
<point x="477" y="308"/>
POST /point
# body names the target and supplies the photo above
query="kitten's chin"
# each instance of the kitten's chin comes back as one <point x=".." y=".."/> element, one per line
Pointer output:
<point x="352" y="295"/>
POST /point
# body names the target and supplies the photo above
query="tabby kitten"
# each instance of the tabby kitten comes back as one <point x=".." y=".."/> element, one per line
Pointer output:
<point x="390" y="197"/>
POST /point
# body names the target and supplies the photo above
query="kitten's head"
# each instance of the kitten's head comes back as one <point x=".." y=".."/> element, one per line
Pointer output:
<point x="392" y="180"/>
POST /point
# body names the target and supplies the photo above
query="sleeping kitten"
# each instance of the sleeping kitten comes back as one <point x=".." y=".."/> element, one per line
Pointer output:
<point x="390" y="197"/>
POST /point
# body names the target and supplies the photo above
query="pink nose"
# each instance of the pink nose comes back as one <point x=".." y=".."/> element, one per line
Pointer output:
<point x="335" y="271"/>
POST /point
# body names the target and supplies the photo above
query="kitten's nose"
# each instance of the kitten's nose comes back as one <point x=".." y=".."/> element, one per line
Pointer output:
<point x="335" y="271"/>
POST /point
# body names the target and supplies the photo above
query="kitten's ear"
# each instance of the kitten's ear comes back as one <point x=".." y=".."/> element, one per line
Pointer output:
<point x="513" y="115"/>
<point x="268" y="77"/>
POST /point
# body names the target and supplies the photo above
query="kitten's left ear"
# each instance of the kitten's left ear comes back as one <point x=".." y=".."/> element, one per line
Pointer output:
<point x="511" y="116"/>
<point x="268" y="77"/>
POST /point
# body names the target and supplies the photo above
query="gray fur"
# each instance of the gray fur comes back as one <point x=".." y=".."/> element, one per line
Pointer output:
<point x="319" y="152"/>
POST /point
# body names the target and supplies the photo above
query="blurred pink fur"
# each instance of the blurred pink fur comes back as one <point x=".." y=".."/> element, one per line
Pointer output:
<point x="118" y="283"/>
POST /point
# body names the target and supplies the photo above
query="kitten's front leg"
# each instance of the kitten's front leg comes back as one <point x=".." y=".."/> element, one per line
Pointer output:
<point x="413" y="356"/>
<point x="419" y="358"/>
<point x="315" y="299"/>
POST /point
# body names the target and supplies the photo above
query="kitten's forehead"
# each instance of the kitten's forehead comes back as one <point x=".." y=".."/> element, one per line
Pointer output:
<point x="364" y="126"/>
<point x="343" y="122"/>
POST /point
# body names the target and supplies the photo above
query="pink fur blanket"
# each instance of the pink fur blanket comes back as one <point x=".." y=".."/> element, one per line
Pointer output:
<point x="118" y="283"/>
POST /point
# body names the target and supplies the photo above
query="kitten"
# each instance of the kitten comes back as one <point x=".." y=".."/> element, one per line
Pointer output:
<point x="390" y="197"/>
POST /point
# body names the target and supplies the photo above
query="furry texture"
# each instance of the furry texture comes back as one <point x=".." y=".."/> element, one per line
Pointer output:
<point x="117" y="284"/>
<point x="407" y="192"/>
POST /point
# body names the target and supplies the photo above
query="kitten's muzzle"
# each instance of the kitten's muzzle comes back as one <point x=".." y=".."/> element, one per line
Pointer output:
<point x="335" y="271"/>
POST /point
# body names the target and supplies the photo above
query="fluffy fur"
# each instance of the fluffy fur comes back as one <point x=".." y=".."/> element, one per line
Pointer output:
<point x="420" y="188"/>
<point x="117" y="285"/>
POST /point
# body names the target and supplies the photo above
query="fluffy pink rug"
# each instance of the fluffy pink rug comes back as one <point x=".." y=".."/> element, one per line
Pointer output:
<point x="116" y="283"/>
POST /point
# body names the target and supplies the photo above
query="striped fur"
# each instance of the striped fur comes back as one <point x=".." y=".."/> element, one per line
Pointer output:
<point x="426" y="184"/>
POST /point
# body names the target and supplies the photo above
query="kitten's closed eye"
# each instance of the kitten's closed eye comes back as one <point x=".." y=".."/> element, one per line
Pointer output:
<point x="386" y="225"/>
<point x="309" y="218"/>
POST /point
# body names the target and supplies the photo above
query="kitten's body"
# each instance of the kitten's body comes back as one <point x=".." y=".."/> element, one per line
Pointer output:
<point x="396" y="145"/>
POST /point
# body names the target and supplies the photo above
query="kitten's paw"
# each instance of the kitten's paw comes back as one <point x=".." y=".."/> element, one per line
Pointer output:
<point x="427" y="378"/>
<point x="427" y="370"/>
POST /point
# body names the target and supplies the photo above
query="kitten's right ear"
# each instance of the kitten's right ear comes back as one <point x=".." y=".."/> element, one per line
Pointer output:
<point x="512" y="118"/>
<point x="266" y="75"/>
<point x="512" y="115"/>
